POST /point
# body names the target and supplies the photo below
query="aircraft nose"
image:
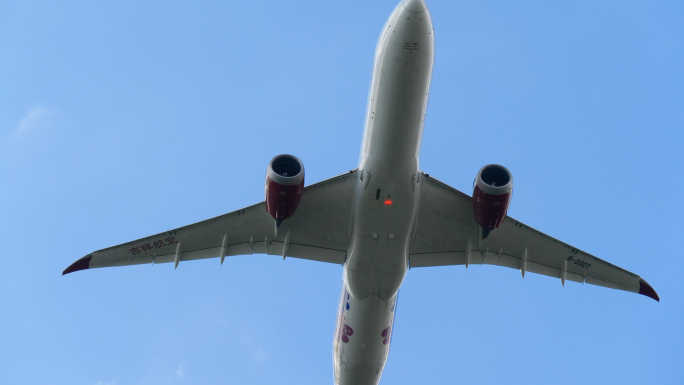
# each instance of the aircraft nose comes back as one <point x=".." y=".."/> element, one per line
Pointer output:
<point x="415" y="6"/>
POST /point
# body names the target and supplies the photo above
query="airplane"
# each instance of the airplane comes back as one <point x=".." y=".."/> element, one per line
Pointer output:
<point x="381" y="219"/>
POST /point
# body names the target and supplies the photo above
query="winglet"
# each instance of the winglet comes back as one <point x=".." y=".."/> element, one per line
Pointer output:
<point x="81" y="264"/>
<point x="647" y="290"/>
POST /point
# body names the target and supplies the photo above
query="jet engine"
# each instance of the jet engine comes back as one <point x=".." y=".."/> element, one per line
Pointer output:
<point x="284" y="186"/>
<point x="491" y="196"/>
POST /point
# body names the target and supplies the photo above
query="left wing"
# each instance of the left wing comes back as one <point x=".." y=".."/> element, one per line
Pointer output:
<point x="317" y="231"/>
<point x="447" y="234"/>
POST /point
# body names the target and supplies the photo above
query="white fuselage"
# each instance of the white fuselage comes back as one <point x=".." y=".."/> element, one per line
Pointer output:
<point x="386" y="196"/>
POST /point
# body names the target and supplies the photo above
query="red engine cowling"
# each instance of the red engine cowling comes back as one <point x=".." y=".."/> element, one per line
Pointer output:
<point x="491" y="196"/>
<point x="284" y="186"/>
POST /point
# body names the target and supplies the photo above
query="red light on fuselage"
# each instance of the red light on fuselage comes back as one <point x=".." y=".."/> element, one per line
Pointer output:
<point x="388" y="202"/>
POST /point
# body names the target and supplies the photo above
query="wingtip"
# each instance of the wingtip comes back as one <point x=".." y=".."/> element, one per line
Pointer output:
<point x="81" y="264"/>
<point x="647" y="290"/>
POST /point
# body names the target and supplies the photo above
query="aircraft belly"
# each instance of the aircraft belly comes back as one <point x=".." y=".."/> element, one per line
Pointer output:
<point x="386" y="197"/>
<point x="377" y="261"/>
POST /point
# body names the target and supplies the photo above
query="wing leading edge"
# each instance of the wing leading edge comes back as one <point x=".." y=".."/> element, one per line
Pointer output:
<point x="317" y="231"/>
<point x="446" y="234"/>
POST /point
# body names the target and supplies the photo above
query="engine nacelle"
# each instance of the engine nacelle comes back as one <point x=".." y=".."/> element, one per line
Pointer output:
<point x="491" y="196"/>
<point x="284" y="186"/>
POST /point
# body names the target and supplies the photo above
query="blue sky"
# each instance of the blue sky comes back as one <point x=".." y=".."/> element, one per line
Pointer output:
<point x="123" y="119"/>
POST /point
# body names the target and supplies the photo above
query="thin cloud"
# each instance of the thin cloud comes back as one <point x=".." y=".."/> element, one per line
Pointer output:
<point x="180" y="371"/>
<point x="38" y="118"/>
<point x="259" y="355"/>
<point x="113" y="381"/>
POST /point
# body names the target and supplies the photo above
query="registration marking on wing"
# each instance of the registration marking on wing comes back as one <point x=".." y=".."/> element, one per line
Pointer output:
<point x="579" y="262"/>
<point x="158" y="244"/>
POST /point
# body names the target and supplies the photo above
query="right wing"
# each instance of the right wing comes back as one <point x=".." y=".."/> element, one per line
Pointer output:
<point x="446" y="234"/>
<point x="317" y="231"/>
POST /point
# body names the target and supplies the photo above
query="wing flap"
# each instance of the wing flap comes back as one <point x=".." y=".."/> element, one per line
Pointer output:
<point x="487" y="258"/>
<point x="308" y="252"/>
